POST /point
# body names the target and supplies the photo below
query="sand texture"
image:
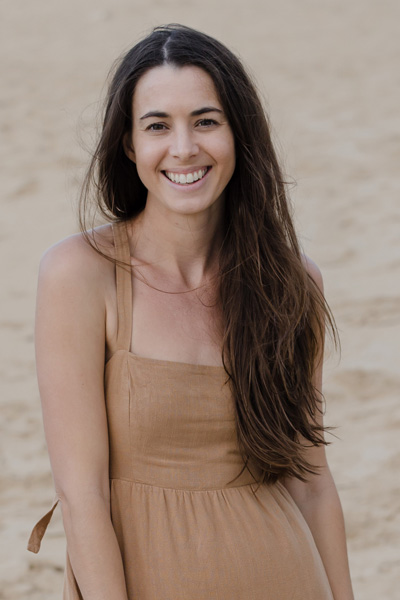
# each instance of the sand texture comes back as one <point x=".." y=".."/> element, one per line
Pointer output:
<point x="329" y="70"/>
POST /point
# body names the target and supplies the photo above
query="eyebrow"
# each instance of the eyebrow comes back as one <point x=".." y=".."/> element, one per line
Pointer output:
<point x="195" y="113"/>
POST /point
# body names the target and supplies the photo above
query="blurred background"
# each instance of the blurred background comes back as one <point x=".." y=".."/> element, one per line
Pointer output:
<point x="329" y="74"/>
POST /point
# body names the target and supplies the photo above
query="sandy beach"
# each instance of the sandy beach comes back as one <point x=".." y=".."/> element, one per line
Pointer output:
<point x="328" y="70"/>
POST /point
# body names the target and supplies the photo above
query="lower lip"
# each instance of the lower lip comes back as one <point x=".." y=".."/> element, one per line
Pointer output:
<point x="189" y="186"/>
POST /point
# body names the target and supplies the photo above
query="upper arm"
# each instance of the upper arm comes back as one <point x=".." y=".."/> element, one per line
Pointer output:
<point x="315" y="455"/>
<point x="70" y="342"/>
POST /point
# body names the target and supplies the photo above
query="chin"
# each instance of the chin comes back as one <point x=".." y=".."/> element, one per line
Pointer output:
<point x="193" y="207"/>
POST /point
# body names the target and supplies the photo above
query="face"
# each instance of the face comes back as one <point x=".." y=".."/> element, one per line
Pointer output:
<point x="181" y="141"/>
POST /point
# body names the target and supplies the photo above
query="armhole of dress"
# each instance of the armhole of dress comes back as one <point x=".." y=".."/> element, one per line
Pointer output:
<point x="123" y="277"/>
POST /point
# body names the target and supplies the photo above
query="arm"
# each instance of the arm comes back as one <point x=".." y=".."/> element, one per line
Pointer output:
<point x="319" y="502"/>
<point x="70" y="346"/>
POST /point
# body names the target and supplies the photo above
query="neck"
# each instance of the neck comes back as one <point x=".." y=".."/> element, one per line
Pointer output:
<point x="184" y="246"/>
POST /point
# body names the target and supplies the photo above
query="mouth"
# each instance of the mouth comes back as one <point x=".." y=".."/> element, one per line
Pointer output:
<point x="187" y="178"/>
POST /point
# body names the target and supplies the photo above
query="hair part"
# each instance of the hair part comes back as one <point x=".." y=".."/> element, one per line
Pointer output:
<point x="274" y="315"/>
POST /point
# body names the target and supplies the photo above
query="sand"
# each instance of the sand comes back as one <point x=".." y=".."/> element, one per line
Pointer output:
<point x="329" y="72"/>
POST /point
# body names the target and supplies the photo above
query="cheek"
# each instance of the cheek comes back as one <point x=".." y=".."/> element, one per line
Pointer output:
<point x="145" y="163"/>
<point x="225" y="150"/>
<point x="146" y="154"/>
<point x="228" y="157"/>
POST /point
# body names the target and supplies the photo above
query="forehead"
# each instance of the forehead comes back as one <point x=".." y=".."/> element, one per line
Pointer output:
<point x="168" y="87"/>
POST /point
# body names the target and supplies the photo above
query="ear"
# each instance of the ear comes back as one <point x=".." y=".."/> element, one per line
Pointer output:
<point x="128" y="148"/>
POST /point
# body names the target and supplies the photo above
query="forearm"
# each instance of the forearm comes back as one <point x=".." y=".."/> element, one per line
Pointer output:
<point x="93" y="549"/>
<point x="324" y="516"/>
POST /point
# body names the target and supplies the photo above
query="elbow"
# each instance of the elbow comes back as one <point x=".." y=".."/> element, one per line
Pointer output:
<point x="317" y="487"/>
<point x="77" y="500"/>
<point x="84" y="512"/>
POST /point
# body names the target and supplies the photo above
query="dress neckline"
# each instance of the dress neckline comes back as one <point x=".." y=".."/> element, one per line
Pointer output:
<point x="168" y="363"/>
<point x="178" y="363"/>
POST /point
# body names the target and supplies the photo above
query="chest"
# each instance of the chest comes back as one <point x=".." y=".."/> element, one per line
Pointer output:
<point x="182" y="327"/>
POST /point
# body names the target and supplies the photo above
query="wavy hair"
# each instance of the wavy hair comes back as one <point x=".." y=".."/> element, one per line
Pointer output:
<point x="274" y="315"/>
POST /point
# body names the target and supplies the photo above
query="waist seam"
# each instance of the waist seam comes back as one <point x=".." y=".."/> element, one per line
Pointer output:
<point x="197" y="490"/>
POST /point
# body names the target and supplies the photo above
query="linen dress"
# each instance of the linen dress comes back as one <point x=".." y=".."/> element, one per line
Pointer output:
<point x="188" y="519"/>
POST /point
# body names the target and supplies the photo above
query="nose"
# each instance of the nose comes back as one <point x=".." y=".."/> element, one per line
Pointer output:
<point x="183" y="144"/>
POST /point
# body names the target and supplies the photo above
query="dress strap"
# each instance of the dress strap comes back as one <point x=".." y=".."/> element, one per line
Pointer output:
<point x="124" y="286"/>
<point x="40" y="529"/>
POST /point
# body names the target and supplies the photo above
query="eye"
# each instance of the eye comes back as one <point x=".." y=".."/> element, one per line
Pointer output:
<point x="156" y="127"/>
<point x="206" y="122"/>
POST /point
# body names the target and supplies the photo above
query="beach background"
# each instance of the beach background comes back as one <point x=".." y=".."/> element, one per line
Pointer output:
<point x="329" y="72"/>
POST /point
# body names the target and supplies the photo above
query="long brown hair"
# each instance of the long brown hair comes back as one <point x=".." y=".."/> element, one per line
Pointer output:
<point x="274" y="316"/>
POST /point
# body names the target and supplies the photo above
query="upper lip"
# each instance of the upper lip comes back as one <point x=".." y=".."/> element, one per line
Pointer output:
<point x="185" y="170"/>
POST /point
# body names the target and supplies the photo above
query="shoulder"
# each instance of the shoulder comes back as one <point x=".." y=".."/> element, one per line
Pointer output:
<point x="75" y="284"/>
<point x="313" y="271"/>
<point x="74" y="259"/>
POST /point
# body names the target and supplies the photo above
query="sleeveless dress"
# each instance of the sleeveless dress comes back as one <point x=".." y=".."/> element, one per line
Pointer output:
<point x="189" y="519"/>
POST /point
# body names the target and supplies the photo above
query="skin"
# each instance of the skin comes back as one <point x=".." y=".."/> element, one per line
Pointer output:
<point x="174" y="245"/>
<point x="175" y="240"/>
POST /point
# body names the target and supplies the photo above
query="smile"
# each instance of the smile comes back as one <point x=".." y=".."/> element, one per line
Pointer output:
<point x="186" y="178"/>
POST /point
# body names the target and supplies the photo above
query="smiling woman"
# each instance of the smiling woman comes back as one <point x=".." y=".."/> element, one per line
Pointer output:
<point x="176" y="144"/>
<point x="179" y="352"/>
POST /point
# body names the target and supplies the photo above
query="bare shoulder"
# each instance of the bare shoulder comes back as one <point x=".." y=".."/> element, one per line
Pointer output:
<point x="313" y="271"/>
<point x="75" y="259"/>
<point x="75" y="290"/>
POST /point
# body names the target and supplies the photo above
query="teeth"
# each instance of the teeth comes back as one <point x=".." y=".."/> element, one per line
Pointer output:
<point x="184" y="179"/>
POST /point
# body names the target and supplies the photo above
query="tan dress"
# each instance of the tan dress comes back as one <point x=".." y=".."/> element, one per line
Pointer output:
<point x="188" y="522"/>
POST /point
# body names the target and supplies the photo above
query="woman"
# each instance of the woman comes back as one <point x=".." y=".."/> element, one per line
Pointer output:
<point x="179" y="352"/>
